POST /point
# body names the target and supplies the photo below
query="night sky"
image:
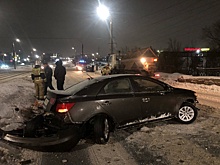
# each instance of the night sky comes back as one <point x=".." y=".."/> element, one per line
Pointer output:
<point x="55" y="26"/>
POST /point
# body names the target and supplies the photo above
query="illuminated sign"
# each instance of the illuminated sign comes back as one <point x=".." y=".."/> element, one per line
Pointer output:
<point x="205" y="49"/>
<point x="196" y="49"/>
<point x="192" y="49"/>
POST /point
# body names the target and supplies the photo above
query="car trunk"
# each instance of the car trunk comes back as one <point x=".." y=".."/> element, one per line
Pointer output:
<point x="52" y="98"/>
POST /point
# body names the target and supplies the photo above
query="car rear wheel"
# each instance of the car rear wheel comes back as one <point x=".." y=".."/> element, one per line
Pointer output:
<point x="187" y="113"/>
<point x="101" y="129"/>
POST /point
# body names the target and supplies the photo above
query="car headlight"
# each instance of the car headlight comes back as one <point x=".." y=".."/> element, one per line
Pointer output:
<point x="4" y="66"/>
<point x="79" y="68"/>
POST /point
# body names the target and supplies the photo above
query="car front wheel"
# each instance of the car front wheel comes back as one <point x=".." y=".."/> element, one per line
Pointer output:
<point x="101" y="130"/>
<point x="187" y="113"/>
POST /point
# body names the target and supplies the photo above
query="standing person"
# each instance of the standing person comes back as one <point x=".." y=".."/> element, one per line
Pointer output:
<point x="48" y="72"/>
<point x="59" y="74"/>
<point x="106" y="70"/>
<point x="38" y="77"/>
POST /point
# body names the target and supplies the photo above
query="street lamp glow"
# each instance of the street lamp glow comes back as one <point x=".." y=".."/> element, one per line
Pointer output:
<point x="34" y="49"/>
<point x="103" y="12"/>
<point x="17" y="40"/>
<point x="14" y="53"/>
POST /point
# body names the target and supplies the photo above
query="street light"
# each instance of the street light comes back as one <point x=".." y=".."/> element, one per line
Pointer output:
<point x="14" y="53"/>
<point x="3" y="58"/>
<point x="32" y="56"/>
<point x="103" y="13"/>
<point x="79" y="41"/>
<point x="74" y="51"/>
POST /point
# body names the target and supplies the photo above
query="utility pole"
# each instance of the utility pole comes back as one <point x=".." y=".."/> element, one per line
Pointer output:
<point x="14" y="54"/>
<point x="111" y="36"/>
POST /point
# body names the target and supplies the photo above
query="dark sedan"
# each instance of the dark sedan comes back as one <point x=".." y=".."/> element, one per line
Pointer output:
<point x="97" y="106"/>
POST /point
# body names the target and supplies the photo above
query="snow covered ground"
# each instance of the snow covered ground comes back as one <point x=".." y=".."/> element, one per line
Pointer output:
<point x="16" y="94"/>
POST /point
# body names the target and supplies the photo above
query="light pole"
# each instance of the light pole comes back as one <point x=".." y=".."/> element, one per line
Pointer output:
<point x="14" y="53"/>
<point x="82" y="48"/>
<point x="32" y="56"/>
<point x="104" y="14"/>
<point x="4" y="57"/>
<point x="74" y="51"/>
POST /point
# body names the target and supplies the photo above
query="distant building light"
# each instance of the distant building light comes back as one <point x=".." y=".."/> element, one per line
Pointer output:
<point x="159" y="51"/>
<point x="205" y="49"/>
<point x="143" y="60"/>
<point x="192" y="49"/>
<point x="82" y="61"/>
<point x="197" y="50"/>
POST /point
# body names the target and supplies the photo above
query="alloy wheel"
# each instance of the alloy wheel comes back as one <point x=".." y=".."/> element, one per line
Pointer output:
<point x="186" y="113"/>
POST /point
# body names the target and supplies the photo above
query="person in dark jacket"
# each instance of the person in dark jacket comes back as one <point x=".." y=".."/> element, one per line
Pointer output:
<point x="59" y="74"/>
<point x="48" y="72"/>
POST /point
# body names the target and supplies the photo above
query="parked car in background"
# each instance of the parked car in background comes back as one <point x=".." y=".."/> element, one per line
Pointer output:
<point x="90" y="68"/>
<point x="98" y="106"/>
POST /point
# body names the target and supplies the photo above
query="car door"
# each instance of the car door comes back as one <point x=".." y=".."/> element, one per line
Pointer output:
<point x="117" y="99"/>
<point x="156" y="99"/>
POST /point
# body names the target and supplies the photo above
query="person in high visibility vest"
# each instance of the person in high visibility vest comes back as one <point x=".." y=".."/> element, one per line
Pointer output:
<point x="106" y="70"/>
<point x="39" y="78"/>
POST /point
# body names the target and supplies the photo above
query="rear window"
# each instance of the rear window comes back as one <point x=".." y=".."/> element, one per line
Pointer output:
<point x="79" y="86"/>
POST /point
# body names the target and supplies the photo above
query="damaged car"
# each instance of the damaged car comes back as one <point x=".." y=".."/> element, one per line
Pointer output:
<point x="97" y="106"/>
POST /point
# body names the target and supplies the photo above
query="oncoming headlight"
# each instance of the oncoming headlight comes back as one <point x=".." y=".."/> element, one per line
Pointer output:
<point x="4" y="66"/>
<point x="79" y="68"/>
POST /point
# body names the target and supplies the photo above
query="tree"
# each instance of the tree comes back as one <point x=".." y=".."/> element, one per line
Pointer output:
<point x="174" y="45"/>
<point x="212" y="35"/>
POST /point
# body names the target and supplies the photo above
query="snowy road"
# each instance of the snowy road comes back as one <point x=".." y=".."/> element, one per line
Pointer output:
<point x="11" y="75"/>
<point x="206" y="95"/>
<point x="158" y="143"/>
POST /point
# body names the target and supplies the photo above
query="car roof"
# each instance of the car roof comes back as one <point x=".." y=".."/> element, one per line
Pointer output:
<point x="77" y="87"/>
<point x="115" y="76"/>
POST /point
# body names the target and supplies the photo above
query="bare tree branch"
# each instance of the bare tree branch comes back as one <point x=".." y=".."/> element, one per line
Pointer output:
<point x="212" y="35"/>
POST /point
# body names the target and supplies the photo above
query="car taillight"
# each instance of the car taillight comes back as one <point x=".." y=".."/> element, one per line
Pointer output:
<point x="64" y="107"/>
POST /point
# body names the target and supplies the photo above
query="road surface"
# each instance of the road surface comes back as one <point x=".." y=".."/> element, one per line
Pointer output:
<point x="158" y="143"/>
